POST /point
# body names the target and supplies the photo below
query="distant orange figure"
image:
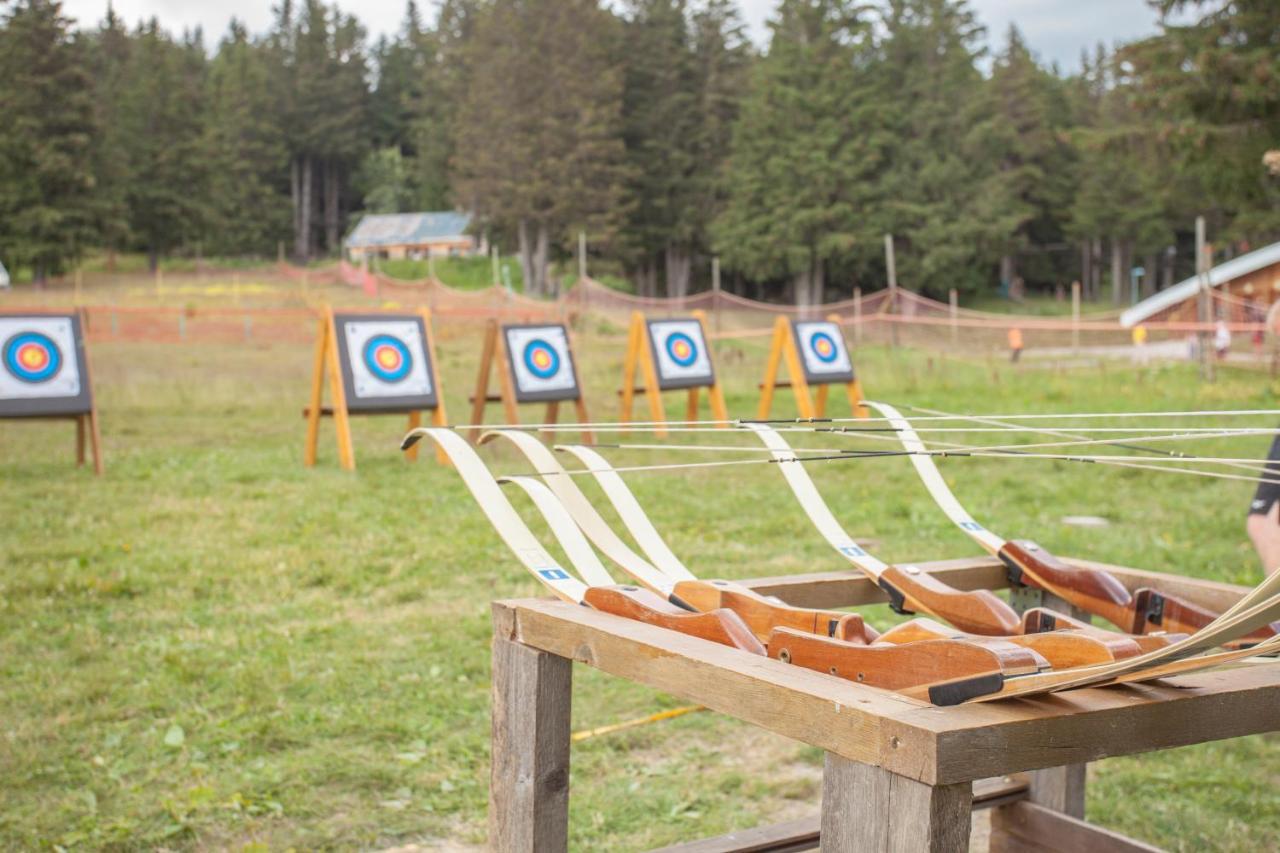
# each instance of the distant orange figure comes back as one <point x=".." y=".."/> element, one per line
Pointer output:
<point x="1015" y="343"/>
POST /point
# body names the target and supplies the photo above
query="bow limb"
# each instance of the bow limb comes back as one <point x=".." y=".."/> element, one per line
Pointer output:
<point x="909" y="589"/>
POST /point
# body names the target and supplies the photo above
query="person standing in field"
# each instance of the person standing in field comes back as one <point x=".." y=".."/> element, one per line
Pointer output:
<point x="1263" y="522"/>
<point x="1140" y="344"/>
<point x="1222" y="339"/>
<point x="1015" y="344"/>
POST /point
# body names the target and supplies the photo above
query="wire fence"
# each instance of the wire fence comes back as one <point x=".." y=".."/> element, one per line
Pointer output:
<point x="894" y="317"/>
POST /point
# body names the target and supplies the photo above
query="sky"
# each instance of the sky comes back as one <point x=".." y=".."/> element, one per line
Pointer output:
<point x="1056" y="30"/>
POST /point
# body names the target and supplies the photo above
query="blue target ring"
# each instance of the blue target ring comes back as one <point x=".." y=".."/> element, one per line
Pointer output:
<point x="541" y="359"/>
<point x="682" y="349"/>
<point x="824" y="347"/>
<point x="32" y="357"/>
<point x="387" y="358"/>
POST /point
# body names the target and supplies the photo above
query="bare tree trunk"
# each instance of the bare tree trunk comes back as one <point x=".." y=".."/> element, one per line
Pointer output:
<point x="303" y="248"/>
<point x="540" y="257"/>
<point x="295" y="196"/>
<point x="526" y="259"/>
<point x="1095" y="289"/>
<point x="1170" y="258"/>
<point x="650" y="281"/>
<point x="331" y="199"/>
<point x="678" y="265"/>
<point x="1117" y="270"/>
<point x="1153" y="270"/>
<point x="1086" y="266"/>
<point x="1007" y="271"/>
<point x="818" y="282"/>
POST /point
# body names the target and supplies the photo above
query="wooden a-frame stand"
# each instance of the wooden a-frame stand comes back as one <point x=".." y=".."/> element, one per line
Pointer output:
<point x="326" y="363"/>
<point x="494" y="353"/>
<point x="783" y="349"/>
<point x="900" y="774"/>
<point x="639" y="359"/>
<point x="88" y="434"/>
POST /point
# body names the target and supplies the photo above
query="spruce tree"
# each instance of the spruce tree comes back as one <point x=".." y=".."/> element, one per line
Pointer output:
<point x="47" y="128"/>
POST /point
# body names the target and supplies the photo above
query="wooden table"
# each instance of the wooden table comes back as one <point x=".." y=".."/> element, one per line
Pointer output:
<point x="899" y="775"/>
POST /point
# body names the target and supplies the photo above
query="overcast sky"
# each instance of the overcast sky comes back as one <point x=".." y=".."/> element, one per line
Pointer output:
<point x="1055" y="29"/>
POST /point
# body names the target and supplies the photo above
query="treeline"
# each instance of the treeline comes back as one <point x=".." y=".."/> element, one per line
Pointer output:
<point x="659" y="131"/>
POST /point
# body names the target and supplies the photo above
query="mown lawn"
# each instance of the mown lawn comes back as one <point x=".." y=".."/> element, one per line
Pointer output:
<point x="213" y="647"/>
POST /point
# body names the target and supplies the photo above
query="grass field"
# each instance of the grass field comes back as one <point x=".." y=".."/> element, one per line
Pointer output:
<point x="213" y="647"/>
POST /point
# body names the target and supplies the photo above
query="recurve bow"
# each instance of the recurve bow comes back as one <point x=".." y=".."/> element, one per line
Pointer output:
<point x="1093" y="590"/>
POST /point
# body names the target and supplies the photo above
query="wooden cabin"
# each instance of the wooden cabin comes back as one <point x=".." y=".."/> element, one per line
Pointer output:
<point x="1244" y="289"/>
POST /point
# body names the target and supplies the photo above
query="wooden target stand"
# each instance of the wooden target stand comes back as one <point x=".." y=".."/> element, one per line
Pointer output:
<point x="783" y="349"/>
<point x="81" y="406"/>
<point x="899" y="774"/>
<point x="327" y="364"/>
<point x="494" y="355"/>
<point x="640" y="360"/>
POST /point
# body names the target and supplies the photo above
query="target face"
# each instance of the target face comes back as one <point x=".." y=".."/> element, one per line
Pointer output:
<point x="42" y="365"/>
<point x="823" y="352"/>
<point x="680" y="354"/>
<point x="385" y="363"/>
<point x="541" y="363"/>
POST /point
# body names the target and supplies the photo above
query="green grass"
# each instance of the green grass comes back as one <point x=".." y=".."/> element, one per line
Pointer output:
<point x="213" y="647"/>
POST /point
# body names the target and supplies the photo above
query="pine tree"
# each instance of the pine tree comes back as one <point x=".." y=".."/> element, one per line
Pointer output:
<point x="248" y="210"/>
<point x="46" y="133"/>
<point x="538" y="135"/>
<point x="805" y="150"/>
<point x="946" y="202"/>
<point x="110" y="50"/>
<point x="163" y="123"/>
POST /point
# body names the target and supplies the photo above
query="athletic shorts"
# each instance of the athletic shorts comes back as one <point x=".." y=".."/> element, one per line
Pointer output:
<point x="1268" y="493"/>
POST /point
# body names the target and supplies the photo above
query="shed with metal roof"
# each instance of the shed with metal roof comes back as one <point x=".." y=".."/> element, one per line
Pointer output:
<point x="412" y="235"/>
<point x="1249" y="279"/>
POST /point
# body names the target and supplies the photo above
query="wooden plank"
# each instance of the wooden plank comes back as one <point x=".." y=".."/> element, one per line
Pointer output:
<point x="1025" y="827"/>
<point x="835" y="715"/>
<point x="529" y="775"/>
<point x="867" y="809"/>
<point x="1211" y="594"/>
<point x="805" y="834"/>
<point x="1084" y="725"/>
<point x="849" y="587"/>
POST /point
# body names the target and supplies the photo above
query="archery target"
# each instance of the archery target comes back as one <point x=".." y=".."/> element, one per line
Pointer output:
<point x="42" y="366"/>
<point x="823" y="352"/>
<point x="680" y="354"/>
<point x="541" y="363"/>
<point x="385" y="365"/>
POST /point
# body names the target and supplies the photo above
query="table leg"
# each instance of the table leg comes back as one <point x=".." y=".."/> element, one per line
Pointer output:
<point x="867" y="809"/>
<point x="529" y="782"/>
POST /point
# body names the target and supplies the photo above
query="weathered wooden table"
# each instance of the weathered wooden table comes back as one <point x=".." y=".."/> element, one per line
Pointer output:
<point x="899" y="775"/>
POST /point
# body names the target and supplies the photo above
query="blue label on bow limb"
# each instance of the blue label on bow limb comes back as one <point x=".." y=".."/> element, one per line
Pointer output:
<point x="972" y="526"/>
<point x="852" y="551"/>
<point x="554" y="574"/>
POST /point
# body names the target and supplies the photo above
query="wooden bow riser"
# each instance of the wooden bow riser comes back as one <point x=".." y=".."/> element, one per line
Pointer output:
<point x="763" y="615"/>
<point x="976" y="611"/>
<point x="1062" y="649"/>
<point x="1097" y="592"/>
<point x="1040" y="620"/>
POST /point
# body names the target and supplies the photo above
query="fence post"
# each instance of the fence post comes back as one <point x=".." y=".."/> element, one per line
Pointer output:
<point x="182" y="325"/>
<point x="955" y="314"/>
<point x="582" y="255"/>
<point x="1075" y="316"/>
<point x="248" y="326"/>
<point x="857" y="315"/>
<point x="891" y="264"/>
<point x="1202" y="270"/>
<point x="715" y="291"/>
<point x="115" y="324"/>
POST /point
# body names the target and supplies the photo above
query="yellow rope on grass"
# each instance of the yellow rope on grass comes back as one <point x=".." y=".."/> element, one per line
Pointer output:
<point x="629" y="724"/>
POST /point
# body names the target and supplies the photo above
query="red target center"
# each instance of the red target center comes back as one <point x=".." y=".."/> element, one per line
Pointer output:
<point x="542" y="359"/>
<point x="681" y="349"/>
<point x="823" y="346"/>
<point x="388" y="358"/>
<point x="33" y="357"/>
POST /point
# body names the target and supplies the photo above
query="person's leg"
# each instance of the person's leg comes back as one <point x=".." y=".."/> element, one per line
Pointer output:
<point x="1264" y="531"/>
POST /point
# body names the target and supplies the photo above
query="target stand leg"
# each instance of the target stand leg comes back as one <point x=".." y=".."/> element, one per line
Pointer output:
<point x="80" y="440"/>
